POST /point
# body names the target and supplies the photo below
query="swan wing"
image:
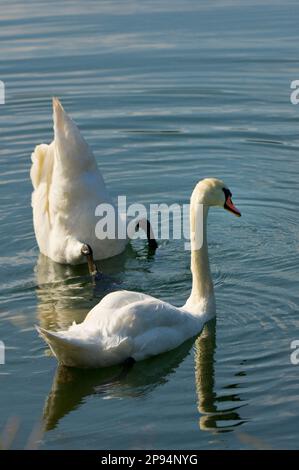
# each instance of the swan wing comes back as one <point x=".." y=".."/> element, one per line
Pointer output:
<point x="41" y="174"/>
<point x="115" y="301"/>
<point x="151" y="325"/>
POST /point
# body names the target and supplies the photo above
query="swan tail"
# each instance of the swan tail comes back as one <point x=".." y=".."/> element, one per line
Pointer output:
<point x="74" y="352"/>
<point x="64" y="127"/>
<point x="71" y="148"/>
<point x="68" y="351"/>
<point x="59" y="114"/>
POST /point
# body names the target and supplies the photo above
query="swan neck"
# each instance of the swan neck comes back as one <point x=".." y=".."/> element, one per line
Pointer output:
<point x="202" y="294"/>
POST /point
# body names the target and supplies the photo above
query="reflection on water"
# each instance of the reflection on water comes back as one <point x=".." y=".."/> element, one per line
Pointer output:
<point x="213" y="415"/>
<point x="64" y="293"/>
<point x="71" y="386"/>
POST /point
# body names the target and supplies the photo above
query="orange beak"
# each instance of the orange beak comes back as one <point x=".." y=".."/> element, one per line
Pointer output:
<point x="229" y="205"/>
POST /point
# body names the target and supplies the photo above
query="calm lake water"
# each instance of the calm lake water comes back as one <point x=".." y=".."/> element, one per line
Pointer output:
<point x="166" y="92"/>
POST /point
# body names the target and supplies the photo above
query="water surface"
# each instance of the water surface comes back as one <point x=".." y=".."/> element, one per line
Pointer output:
<point x="166" y="92"/>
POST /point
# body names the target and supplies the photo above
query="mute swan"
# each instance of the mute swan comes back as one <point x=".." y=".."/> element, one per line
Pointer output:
<point x="130" y="325"/>
<point x="68" y="187"/>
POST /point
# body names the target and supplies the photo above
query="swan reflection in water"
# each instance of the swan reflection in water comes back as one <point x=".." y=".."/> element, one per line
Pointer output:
<point x="71" y="386"/>
<point x="214" y="415"/>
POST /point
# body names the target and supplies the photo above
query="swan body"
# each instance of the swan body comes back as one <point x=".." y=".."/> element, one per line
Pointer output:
<point x="68" y="186"/>
<point x="124" y="324"/>
<point x="130" y="324"/>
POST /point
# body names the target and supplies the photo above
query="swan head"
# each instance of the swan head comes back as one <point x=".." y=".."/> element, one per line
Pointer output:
<point x="214" y="192"/>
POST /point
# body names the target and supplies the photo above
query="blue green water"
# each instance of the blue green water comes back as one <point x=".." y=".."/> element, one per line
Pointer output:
<point x="166" y="92"/>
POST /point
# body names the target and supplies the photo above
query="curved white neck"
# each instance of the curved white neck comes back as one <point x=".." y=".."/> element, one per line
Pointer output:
<point x="201" y="299"/>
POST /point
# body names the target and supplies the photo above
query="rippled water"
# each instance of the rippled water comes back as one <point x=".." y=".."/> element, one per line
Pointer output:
<point x="166" y="92"/>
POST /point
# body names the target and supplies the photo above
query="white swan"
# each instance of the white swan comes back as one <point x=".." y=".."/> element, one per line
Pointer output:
<point x="68" y="186"/>
<point x="133" y="325"/>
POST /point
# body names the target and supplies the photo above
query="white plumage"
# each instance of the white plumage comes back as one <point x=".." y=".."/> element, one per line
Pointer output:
<point x="68" y="187"/>
<point x="124" y="324"/>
